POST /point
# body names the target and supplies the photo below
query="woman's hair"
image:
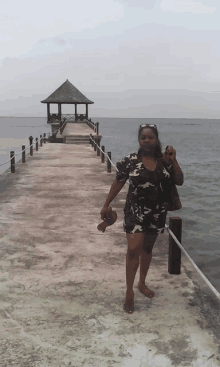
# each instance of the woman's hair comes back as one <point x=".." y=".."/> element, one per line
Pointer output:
<point x="158" y="148"/>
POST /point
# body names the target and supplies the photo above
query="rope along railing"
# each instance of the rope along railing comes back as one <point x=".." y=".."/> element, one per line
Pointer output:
<point x="61" y="128"/>
<point x="13" y="154"/>
<point x="192" y="262"/>
<point x="90" y="123"/>
<point x="176" y="224"/>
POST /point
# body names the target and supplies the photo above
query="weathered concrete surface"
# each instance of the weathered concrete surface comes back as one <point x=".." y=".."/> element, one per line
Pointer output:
<point x="77" y="129"/>
<point x="63" y="282"/>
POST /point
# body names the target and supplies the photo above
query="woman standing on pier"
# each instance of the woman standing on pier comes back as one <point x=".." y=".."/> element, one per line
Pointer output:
<point x="150" y="173"/>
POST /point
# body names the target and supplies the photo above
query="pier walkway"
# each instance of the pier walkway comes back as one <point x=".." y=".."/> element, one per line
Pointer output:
<point x="75" y="133"/>
<point x="77" y="129"/>
<point x="63" y="282"/>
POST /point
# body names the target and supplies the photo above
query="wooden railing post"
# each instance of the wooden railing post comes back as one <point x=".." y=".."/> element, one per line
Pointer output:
<point x="36" y="144"/>
<point x="103" y="155"/>
<point x="31" y="148"/>
<point x="109" y="163"/>
<point x="44" y="138"/>
<point x="23" y="154"/>
<point x="95" y="144"/>
<point x="41" y="140"/>
<point x="97" y="128"/>
<point x="12" y="161"/>
<point x="98" y="147"/>
<point x="91" y="140"/>
<point x="174" y="259"/>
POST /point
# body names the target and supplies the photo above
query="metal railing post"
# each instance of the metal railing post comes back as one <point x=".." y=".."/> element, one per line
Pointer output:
<point x="174" y="258"/>
<point x="108" y="162"/>
<point x="23" y="154"/>
<point x="12" y="161"/>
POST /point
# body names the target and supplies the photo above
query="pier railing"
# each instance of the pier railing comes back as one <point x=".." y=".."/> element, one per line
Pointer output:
<point x="68" y="117"/>
<point x="73" y="117"/>
<point x="43" y="139"/>
<point x="175" y="223"/>
<point x="89" y="122"/>
<point x="174" y="229"/>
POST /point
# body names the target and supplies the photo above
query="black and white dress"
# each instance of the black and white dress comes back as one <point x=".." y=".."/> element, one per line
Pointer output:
<point x="146" y="205"/>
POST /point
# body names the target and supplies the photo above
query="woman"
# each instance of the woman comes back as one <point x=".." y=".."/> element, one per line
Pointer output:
<point x="149" y="171"/>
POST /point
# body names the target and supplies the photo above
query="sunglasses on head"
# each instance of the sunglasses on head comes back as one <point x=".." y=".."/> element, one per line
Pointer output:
<point x="149" y="125"/>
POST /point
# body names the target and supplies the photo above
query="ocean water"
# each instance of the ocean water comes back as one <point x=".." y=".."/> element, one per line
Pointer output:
<point x="197" y="144"/>
<point x="15" y="132"/>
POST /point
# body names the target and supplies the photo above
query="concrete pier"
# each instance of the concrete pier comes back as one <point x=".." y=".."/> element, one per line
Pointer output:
<point x="77" y="133"/>
<point x="63" y="282"/>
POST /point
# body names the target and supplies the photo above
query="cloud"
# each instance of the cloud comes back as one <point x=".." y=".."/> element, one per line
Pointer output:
<point x="144" y="4"/>
<point x="59" y="41"/>
<point x="20" y="32"/>
<point x="185" y="6"/>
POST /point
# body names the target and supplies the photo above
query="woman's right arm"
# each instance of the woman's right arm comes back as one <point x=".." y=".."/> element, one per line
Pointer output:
<point x="114" y="190"/>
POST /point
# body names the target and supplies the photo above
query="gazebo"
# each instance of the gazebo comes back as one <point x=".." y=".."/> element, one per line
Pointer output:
<point x="66" y="94"/>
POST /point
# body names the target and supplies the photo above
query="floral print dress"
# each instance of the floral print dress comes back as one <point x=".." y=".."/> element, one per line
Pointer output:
<point x="146" y="206"/>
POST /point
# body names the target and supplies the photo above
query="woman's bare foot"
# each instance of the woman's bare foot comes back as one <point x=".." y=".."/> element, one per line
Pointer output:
<point x="129" y="302"/>
<point x="146" y="291"/>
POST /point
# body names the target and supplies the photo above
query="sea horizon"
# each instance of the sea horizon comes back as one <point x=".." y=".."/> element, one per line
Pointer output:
<point x="124" y="117"/>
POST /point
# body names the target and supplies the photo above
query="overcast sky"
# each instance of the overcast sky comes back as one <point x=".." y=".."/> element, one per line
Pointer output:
<point x="133" y="58"/>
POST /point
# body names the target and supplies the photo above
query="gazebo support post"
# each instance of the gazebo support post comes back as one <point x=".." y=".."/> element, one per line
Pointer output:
<point x="59" y="111"/>
<point x="75" y="112"/>
<point x="48" y="111"/>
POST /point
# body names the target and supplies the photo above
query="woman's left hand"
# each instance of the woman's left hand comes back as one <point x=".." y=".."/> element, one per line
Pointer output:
<point x="170" y="154"/>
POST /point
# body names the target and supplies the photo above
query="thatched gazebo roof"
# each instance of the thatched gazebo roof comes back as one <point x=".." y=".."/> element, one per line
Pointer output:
<point x="67" y="93"/>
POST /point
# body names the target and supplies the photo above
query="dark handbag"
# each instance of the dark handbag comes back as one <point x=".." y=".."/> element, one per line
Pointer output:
<point x="173" y="202"/>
